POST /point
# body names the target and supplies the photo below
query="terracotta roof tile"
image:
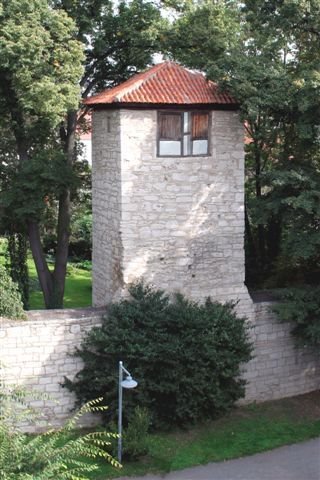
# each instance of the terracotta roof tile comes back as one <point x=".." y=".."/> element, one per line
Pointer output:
<point x="165" y="83"/>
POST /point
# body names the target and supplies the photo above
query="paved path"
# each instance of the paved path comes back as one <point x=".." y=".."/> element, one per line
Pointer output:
<point x="293" y="462"/>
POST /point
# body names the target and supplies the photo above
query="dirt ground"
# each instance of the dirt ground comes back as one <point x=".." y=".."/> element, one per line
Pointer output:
<point x="305" y="406"/>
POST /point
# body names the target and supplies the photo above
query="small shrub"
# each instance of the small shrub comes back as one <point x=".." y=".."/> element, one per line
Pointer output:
<point x="135" y="436"/>
<point x="301" y="307"/>
<point x="81" y="264"/>
<point x="58" y="454"/>
<point x="10" y="298"/>
<point x="185" y="356"/>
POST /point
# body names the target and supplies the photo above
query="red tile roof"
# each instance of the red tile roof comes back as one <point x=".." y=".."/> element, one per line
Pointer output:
<point x="165" y="83"/>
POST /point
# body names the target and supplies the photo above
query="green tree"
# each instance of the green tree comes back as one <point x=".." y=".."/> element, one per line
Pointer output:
<point x="265" y="53"/>
<point x="40" y="67"/>
<point x="39" y="80"/>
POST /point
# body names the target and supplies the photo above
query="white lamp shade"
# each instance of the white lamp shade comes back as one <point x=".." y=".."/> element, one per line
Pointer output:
<point x="129" y="382"/>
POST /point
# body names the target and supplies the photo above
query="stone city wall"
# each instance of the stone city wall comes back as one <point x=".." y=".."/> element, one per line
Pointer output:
<point x="279" y="368"/>
<point x="36" y="353"/>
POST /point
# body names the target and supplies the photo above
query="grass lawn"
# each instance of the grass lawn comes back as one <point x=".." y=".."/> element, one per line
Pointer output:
<point x="245" y="431"/>
<point x="77" y="290"/>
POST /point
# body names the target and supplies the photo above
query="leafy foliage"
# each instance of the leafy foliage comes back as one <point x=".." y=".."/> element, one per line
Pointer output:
<point x="135" y="436"/>
<point x="54" y="454"/>
<point x="185" y="356"/>
<point x="40" y="60"/>
<point x="301" y="306"/>
<point x="10" y="298"/>
<point x="81" y="237"/>
<point x="17" y="264"/>
<point x="264" y="52"/>
<point x="40" y="69"/>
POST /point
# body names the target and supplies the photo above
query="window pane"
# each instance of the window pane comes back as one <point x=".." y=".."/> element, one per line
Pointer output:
<point x="186" y="122"/>
<point x="200" y="124"/>
<point x="169" y="148"/>
<point x="170" y="126"/>
<point x="199" y="147"/>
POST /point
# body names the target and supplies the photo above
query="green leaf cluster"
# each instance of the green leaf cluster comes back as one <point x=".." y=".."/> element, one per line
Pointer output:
<point x="11" y="305"/>
<point x="185" y="356"/>
<point x="301" y="307"/>
<point x="61" y="453"/>
<point x="34" y="184"/>
<point x="16" y="256"/>
<point x="40" y="60"/>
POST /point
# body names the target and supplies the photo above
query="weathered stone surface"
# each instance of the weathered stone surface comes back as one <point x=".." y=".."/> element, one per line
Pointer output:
<point x="279" y="368"/>
<point x="178" y="223"/>
<point x="39" y="357"/>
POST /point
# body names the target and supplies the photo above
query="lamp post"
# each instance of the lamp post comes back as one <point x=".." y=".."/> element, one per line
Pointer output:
<point x="128" y="382"/>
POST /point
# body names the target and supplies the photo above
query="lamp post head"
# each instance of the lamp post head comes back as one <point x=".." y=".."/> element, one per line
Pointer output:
<point x="129" y="382"/>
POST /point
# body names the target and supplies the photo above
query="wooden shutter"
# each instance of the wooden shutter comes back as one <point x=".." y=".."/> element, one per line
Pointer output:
<point x="170" y="126"/>
<point x="200" y="126"/>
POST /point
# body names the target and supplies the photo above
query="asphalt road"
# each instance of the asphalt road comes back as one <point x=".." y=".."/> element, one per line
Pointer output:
<point x="293" y="462"/>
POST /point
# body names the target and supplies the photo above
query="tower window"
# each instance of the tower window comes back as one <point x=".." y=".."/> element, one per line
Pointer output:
<point x="183" y="134"/>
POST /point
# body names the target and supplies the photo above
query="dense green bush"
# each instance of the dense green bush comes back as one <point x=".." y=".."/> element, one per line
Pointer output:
<point x="58" y="454"/>
<point x="301" y="306"/>
<point x="10" y="299"/>
<point x="185" y="356"/>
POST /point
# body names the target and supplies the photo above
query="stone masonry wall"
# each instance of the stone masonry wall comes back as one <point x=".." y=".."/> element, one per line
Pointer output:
<point x="36" y="354"/>
<point x="182" y="219"/>
<point x="106" y="206"/>
<point x="279" y="369"/>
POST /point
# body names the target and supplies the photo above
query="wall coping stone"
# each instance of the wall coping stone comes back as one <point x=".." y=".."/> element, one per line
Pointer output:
<point x="56" y="314"/>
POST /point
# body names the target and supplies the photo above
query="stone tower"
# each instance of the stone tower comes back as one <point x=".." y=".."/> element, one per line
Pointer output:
<point x="168" y="187"/>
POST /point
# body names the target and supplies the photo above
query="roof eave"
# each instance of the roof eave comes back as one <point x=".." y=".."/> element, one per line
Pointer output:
<point x="164" y="106"/>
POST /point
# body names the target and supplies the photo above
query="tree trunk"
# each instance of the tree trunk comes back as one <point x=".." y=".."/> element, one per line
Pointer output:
<point x="44" y="274"/>
<point x="64" y="217"/>
<point x="248" y="233"/>
<point x="63" y="233"/>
